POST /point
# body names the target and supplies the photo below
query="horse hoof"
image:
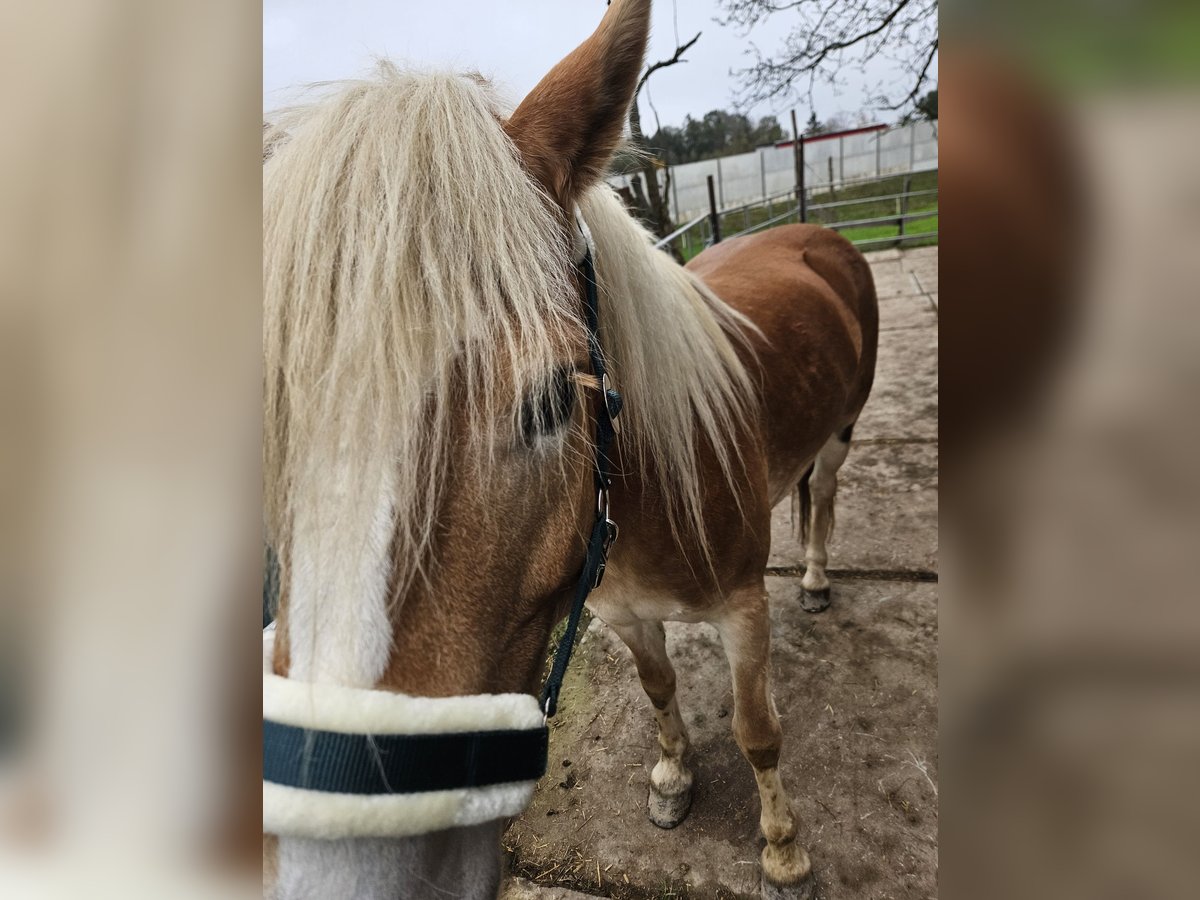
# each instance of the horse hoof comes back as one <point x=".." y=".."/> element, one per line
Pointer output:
<point x="814" y="601"/>
<point x="668" y="810"/>
<point x="798" y="890"/>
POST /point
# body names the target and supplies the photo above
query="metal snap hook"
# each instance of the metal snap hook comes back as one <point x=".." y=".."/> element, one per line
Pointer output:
<point x="610" y="537"/>
<point x="612" y="402"/>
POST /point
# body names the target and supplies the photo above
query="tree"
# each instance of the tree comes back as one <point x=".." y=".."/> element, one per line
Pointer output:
<point x="832" y="34"/>
<point x="717" y="133"/>
<point x="652" y="206"/>
<point x="836" y="122"/>
<point x="767" y="131"/>
<point x="813" y="126"/>
<point x="927" y="106"/>
<point x="924" y="110"/>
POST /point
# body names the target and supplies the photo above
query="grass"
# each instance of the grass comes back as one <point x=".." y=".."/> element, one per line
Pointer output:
<point x="868" y="208"/>
<point x="557" y="634"/>
<point x="911" y="226"/>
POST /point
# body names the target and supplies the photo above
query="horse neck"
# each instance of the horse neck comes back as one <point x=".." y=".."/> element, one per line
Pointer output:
<point x="676" y="357"/>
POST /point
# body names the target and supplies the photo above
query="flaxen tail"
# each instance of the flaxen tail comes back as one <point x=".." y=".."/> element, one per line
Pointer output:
<point x="804" y="493"/>
<point x="805" y="496"/>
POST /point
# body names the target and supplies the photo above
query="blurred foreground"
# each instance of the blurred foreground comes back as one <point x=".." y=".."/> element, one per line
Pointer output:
<point x="1070" y="616"/>
<point x="131" y="570"/>
<point x="129" y="658"/>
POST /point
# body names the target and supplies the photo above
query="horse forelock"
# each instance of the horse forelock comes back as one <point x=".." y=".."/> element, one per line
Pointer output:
<point x="413" y="275"/>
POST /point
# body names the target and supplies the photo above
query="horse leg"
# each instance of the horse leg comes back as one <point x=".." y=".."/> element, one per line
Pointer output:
<point x="746" y="636"/>
<point x="822" y="487"/>
<point x="670" y="780"/>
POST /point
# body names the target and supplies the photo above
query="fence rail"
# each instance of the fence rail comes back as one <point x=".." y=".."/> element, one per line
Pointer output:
<point x="699" y="232"/>
<point x="838" y="160"/>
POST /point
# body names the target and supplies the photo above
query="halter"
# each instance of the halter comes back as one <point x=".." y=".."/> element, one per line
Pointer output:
<point x="344" y="762"/>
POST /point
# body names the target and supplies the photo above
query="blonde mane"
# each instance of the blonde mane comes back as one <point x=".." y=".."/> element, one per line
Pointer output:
<point x="407" y="256"/>
<point x="671" y="344"/>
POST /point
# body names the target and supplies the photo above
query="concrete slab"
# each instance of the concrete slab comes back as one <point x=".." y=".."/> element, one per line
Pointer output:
<point x="891" y="280"/>
<point x="924" y="269"/>
<point x="921" y="253"/>
<point x="886" y="512"/>
<point x="856" y="692"/>
<point x="903" y="402"/>
<point x="907" y="311"/>
<point x="520" y="889"/>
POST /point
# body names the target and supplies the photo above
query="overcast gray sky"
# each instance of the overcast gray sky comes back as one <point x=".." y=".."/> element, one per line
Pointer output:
<point x="515" y="42"/>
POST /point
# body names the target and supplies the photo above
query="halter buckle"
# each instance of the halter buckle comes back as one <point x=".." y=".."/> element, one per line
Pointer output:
<point x="612" y="403"/>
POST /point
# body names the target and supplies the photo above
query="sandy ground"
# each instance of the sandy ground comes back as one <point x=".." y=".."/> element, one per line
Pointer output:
<point x="856" y="687"/>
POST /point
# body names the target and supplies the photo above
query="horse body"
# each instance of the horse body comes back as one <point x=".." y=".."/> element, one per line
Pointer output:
<point x="793" y="283"/>
<point x="418" y="253"/>
<point x="811" y="297"/>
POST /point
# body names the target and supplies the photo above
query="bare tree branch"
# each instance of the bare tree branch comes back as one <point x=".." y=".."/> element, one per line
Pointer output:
<point x="676" y="57"/>
<point x="655" y="211"/>
<point x="833" y="35"/>
<point x="911" y="97"/>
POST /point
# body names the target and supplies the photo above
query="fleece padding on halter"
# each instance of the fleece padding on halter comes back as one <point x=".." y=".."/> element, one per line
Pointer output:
<point x="344" y="762"/>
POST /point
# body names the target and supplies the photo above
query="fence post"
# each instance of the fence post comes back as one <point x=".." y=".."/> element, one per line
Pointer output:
<point x="803" y="190"/>
<point x="832" y="195"/>
<point x="798" y="157"/>
<point x="903" y="208"/>
<point x="762" y="172"/>
<point x="714" y="217"/>
<point x="675" y="191"/>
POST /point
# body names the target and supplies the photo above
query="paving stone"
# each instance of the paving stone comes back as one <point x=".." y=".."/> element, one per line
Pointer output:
<point x="906" y="311"/>
<point x="921" y="254"/>
<point x="886" y="512"/>
<point x="925" y="271"/>
<point x="903" y="401"/>
<point x="520" y="889"/>
<point x="891" y="281"/>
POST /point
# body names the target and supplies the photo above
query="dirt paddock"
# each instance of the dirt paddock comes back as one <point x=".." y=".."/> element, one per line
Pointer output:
<point x="856" y="687"/>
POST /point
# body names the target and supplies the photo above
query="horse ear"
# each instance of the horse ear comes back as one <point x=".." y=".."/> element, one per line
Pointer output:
<point x="570" y="124"/>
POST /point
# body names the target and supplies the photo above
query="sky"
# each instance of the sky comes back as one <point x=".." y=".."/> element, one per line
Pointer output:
<point x="515" y="42"/>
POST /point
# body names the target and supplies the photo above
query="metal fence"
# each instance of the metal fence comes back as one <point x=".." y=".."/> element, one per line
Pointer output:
<point x="828" y="161"/>
<point x="841" y="215"/>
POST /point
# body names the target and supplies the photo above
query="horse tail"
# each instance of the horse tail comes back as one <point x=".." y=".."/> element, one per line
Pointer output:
<point x="805" y="502"/>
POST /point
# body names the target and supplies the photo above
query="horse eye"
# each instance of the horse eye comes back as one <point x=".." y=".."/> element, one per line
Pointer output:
<point x="548" y="411"/>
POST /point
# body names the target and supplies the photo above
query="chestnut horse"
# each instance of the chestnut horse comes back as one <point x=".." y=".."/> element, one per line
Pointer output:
<point x="430" y="412"/>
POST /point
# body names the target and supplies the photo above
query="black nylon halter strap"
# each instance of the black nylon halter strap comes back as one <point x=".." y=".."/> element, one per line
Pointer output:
<point x="342" y="763"/>
<point x="374" y="764"/>
<point x="604" y="530"/>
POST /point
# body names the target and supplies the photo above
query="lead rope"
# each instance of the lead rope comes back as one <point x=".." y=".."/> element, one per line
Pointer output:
<point x="604" y="529"/>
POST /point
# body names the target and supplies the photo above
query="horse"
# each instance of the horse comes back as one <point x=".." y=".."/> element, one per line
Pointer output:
<point x="435" y="387"/>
